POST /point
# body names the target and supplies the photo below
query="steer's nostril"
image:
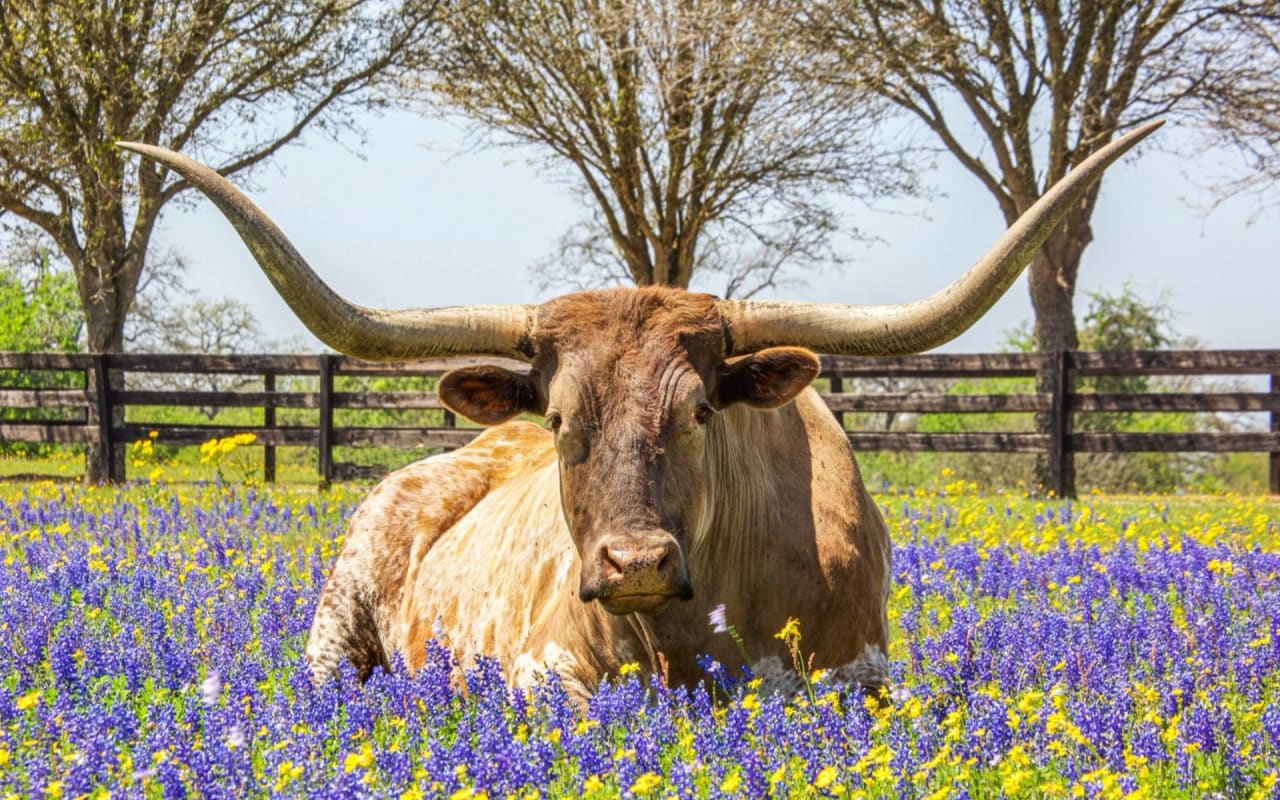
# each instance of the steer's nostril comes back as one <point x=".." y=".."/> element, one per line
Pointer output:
<point x="610" y="563"/>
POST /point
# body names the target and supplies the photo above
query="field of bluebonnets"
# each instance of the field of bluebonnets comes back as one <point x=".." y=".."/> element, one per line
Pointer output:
<point x="1108" y="647"/>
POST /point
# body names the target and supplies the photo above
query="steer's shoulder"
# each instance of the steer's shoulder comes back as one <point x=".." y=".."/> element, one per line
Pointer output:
<point x="394" y="529"/>
<point x="413" y="506"/>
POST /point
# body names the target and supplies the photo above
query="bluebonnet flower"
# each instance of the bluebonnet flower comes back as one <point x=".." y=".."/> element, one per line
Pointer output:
<point x="157" y="646"/>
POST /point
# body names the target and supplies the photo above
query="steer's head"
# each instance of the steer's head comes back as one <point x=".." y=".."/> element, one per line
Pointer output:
<point x="630" y="380"/>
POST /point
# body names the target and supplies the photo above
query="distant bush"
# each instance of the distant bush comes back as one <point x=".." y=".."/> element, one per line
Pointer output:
<point x="39" y="312"/>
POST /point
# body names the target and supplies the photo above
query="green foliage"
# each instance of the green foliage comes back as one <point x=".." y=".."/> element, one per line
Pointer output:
<point x="388" y="458"/>
<point x="1122" y="322"/>
<point x="1126" y="321"/>
<point x="39" y="308"/>
<point x="39" y="312"/>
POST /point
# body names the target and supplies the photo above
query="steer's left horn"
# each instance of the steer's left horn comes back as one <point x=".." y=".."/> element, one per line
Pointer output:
<point x="368" y="333"/>
<point x="884" y="330"/>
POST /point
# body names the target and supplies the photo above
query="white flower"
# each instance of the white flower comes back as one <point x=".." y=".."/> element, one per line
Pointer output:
<point x="716" y="619"/>
<point x="211" y="688"/>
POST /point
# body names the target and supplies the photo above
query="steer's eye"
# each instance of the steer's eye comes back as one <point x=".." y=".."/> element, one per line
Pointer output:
<point x="704" y="412"/>
<point x="554" y="420"/>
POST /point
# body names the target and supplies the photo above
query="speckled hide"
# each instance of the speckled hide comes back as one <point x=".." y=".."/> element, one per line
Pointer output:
<point x="672" y="481"/>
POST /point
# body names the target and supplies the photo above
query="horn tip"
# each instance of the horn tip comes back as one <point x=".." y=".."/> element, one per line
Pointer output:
<point x="1146" y="129"/>
<point x="141" y="148"/>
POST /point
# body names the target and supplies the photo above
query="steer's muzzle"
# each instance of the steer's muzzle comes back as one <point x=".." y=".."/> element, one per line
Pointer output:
<point x="635" y="572"/>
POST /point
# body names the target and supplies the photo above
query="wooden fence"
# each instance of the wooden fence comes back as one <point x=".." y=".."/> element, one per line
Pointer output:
<point x="83" y="414"/>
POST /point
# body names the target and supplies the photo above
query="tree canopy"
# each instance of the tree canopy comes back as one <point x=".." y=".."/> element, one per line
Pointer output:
<point x="698" y="142"/>
<point x="226" y="81"/>
<point x="1242" y="112"/>
<point x="1020" y="93"/>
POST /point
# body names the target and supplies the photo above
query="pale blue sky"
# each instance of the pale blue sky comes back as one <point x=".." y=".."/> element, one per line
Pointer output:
<point x="415" y="223"/>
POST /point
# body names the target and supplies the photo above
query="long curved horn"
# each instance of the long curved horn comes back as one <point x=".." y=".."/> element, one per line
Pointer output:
<point x="372" y="334"/>
<point x="899" y="329"/>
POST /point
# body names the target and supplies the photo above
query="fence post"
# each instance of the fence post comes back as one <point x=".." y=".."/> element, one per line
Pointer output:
<point x="269" y="424"/>
<point x="1061" y="474"/>
<point x="101" y="379"/>
<point x="837" y="387"/>
<point x="325" y="466"/>
<point x="1275" y="428"/>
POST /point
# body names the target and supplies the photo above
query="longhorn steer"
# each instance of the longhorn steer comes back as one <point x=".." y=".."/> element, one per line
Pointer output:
<point x="685" y="464"/>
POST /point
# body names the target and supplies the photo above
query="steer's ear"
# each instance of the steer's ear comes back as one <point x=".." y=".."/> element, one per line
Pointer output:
<point x="488" y="395"/>
<point x="767" y="378"/>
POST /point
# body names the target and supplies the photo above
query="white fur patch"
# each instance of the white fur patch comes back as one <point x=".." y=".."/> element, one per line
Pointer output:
<point x="530" y="669"/>
<point x="870" y="670"/>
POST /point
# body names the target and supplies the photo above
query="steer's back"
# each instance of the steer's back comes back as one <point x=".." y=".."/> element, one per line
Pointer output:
<point x="427" y="544"/>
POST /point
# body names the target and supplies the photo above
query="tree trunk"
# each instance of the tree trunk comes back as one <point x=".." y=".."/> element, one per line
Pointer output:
<point x="107" y="295"/>
<point x="1052" y="282"/>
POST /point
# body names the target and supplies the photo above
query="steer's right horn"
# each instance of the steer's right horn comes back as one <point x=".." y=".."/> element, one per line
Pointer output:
<point x="890" y="330"/>
<point x="372" y="334"/>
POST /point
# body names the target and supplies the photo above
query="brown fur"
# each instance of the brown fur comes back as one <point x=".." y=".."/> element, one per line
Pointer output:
<point x="757" y="508"/>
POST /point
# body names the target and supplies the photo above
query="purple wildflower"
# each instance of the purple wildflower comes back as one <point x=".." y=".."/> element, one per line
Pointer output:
<point x="717" y="620"/>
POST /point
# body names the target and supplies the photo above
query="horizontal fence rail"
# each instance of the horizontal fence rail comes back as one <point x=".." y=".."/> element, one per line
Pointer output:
<point x="55" y="398"/>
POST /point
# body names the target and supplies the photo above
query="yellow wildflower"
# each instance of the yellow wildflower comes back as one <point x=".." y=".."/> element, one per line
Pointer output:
<point x="646" y="783"/>
<point x="790" y="632"/>
<point x="825" y="777"/>
<point x="287" y="772"/>
<point x="362" y="759"/>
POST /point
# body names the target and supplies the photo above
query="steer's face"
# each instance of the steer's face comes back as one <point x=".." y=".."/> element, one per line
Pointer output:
<point x="630" y="383"/>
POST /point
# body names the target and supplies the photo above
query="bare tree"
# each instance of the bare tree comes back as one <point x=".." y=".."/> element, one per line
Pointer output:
<point x="688" y="125"/>
<point x="227" y="81"/>
<point x="1022" y="92"/>
<point x="169" y="318"/>
<point x="1241" y="110"/>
